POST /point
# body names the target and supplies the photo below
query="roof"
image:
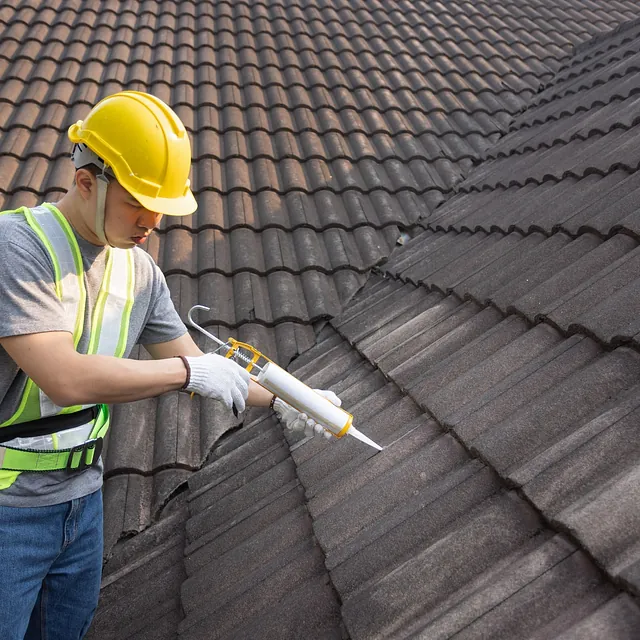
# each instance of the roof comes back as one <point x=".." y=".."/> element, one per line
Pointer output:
<point x="320" y="134"/>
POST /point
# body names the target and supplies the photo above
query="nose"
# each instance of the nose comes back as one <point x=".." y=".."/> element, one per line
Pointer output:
<point x="149" y="219"/>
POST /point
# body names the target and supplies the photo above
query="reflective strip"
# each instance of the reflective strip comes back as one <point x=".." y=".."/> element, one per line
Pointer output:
<point x="69" y="437"/>
<point x="55" y="233"/>
<point x="21" y="461"/>
<point x="69" y="275"/>
<point x="16" y="459"/>
<point x="114" y="300"/>
<point x="110" y="323"/>
<point x="69" y="281"/>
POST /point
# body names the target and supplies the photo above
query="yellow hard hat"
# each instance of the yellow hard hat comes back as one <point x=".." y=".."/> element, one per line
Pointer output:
<point x="145" y="144"/>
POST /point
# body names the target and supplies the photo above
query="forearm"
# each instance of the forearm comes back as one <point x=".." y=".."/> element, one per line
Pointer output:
<point x="70" y="378"/>
<point x="103" y="379"/>
<point x="185" y="346"/>
<point x="258" y="395"/>
<point x="90" y="379"/>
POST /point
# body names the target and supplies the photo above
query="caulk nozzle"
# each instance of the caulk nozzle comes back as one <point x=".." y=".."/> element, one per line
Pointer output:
<point x="360" y="436"/>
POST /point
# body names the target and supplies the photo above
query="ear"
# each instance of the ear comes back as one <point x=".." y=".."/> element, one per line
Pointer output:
<point x="85" y="183"/>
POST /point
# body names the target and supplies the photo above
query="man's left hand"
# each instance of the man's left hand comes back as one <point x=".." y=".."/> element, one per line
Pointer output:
<point x="295" y="420"/>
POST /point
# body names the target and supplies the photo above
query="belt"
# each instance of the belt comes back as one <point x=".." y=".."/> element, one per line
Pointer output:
<point x="47" y="426"/>
<point x="73" y="459"/>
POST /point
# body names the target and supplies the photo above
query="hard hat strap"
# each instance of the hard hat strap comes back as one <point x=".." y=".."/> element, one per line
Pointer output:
<point x="83" y="156"/>
<point x="103" y="183"/>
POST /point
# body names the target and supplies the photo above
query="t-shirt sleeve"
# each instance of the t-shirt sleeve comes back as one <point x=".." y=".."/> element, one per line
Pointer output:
<point x="163" y="323"/>
<point x="28" y="300"/>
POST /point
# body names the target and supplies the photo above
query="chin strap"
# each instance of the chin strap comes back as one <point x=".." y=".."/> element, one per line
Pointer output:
<point x="83" y="156"/>
<point x="103" y="183"/>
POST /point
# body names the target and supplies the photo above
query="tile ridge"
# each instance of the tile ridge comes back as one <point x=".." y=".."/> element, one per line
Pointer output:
<point x="581" y="136"/>
<point x="556" y="117"/>
<point x="292" y="110"/>
<point x="551" y="178"/>
<point x="222" y="159"/>
<point x="574" y="90"/>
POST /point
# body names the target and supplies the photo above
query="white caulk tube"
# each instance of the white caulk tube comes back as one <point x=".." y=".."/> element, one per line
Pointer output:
<point x="306" y="400"/>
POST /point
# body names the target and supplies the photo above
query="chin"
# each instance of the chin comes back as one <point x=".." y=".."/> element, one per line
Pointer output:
<point x="123" y="244"/>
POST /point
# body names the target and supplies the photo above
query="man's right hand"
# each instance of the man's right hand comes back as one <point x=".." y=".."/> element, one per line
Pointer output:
<point x="214" y="376"/>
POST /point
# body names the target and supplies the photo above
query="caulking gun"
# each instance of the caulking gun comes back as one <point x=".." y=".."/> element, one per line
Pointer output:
<point x="285" y="386"/>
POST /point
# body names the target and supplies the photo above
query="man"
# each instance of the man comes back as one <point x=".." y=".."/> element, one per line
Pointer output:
<point x="76" y="295"/>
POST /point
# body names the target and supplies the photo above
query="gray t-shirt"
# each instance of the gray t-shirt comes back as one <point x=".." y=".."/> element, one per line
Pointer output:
<point x="28" y="304"/>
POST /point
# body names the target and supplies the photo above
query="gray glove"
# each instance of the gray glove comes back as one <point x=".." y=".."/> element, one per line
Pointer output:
<point x="295" y="420"/>
<point x="213" y="376"/>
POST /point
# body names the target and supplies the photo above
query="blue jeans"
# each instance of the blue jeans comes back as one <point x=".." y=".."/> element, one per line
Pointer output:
<point x="50" y="568"/>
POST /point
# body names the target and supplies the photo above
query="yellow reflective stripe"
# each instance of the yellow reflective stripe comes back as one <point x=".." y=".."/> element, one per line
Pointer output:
<point x="29" y="407"/>
<point x="77" y="258"/>
<point x="113" y="310"/>
<point x="30" y="384"/>
<point x="45" y="241"/>
<point x="126" y="316"/>
<point x="53" y="230"/>
<point x="101" y="424"/>
<point x="98" y="312"/>
<point x="23" y="460"/>
<point x="69" y="274"/>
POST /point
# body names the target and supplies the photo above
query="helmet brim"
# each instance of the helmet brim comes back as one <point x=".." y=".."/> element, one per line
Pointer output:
<point x="183" y="206"/>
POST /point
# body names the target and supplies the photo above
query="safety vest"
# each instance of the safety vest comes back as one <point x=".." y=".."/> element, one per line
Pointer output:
<point x="80" y="446"/>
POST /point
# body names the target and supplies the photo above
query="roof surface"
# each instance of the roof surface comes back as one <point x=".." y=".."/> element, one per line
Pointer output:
<point x="495" y="354"/>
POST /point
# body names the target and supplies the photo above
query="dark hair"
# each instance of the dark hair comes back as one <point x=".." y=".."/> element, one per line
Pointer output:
<point x="94" y="169"/>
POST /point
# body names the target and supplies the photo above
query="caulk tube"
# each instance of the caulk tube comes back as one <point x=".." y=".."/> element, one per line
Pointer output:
<point x="305" y="399"/>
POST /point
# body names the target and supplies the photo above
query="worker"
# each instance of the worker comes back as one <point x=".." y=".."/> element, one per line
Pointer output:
<point x="76" y="294"/>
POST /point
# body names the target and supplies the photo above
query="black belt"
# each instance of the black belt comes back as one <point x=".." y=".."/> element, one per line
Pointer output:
<point x="46" y="426"/>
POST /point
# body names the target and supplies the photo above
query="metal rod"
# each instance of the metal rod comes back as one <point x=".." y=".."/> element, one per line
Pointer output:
<point x="200" y="329"/>
<point x="195" y="325"/>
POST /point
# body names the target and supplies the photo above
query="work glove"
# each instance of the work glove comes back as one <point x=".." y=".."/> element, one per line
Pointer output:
<point x="213" y="376"/>
<point x="298" y="421"/>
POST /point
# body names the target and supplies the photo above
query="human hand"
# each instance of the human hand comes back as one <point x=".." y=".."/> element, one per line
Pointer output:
<point x="295" y="420"/>
<point x="214" y="376"/>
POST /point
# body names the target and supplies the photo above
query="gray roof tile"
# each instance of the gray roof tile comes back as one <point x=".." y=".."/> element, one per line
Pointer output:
<point x="538" y="394"/>
<point x="449" y="567"/>
<point x="389" y="308"/>
<point x="215" y="542"/>
<point x="247" y="556"/>
<point x="446" y="369"/>
<point x="288" y="573"/>
<point x="417" y="521"/>
<point x="617" y="617"/>
<point x="546" y="420"/>
<point x="614" y="545"/>
<point x="490" y="370"/>
<point x="414" y="432"/>
<point x="569" y="308"/>
<point x="542" y="298"/>
<point x="366" y="506"/>
<point x="562" y="583"/>
<point x="150" y="571"/>
<point x="602" y="448"/>
<point x="521" y="387"/>
<point x="411" y="325"/>
<point x="437" y="341"/>
<point x="230" y="500"/>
